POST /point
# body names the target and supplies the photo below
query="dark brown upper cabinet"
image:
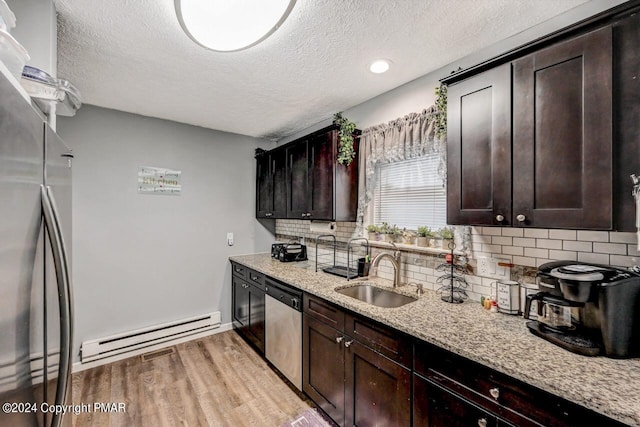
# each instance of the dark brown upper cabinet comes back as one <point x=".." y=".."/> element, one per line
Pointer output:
<point x="479" y="149"/>
<point x="530" y="142"/>
<point x="562" y="134"/>
<point x="297" y="180"/>
<point x="318" y="186"/>
<point x="271" y="184"/>
<point x="626" y="115"/>
<point x="303" y="180"/>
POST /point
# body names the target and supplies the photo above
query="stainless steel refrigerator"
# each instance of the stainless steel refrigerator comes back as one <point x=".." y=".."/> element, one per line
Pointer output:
<point x="36" y="306"/>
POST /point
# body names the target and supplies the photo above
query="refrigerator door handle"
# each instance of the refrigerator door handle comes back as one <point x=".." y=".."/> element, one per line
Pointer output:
<point x="60" y="260"/>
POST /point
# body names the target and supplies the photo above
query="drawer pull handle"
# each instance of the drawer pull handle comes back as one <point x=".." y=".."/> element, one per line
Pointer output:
<point x="482" y="422"/>
<point x="495" y="393"/>
<point x="339" y="339"/>
<point x="348" y="343"/>
<point x="521" y="218"/>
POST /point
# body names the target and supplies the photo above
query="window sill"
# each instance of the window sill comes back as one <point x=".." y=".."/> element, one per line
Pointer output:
<point x="411" y="248"/>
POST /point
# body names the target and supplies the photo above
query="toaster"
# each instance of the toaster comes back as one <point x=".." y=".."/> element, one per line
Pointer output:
<point x="288" y="252"/>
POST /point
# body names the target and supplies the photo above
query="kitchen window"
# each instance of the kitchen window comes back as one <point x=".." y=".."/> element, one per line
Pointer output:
<point x="410" y="193"/>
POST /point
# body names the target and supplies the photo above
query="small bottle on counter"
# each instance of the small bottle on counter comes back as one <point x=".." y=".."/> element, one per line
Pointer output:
<point x="494" y="306"/>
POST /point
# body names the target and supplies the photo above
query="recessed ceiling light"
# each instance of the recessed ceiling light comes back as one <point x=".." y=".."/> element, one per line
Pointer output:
<point x="231" y="25"/>
<point x="379" y="66"/>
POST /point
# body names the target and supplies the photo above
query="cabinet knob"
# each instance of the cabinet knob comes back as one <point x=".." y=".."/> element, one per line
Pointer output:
<point x="495" y="393"/>
<point x="348" y="343"/>
<point x="521" y="218"/>
<point x="268" y="214"/>
<point x="482" y="422"/>
<point x="308" y="214"/>
<point x="499" y="218"/>
<point x="339" y="339"/>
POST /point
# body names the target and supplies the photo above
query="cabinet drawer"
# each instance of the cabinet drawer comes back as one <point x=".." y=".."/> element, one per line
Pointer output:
<point x="255" y="278"/>
<point x="436" y="406"/>
<point x="238" y="270"/>
<point x="387" y="341"/>
<point x="324" y="311"/>
<point x="503" y="395"/>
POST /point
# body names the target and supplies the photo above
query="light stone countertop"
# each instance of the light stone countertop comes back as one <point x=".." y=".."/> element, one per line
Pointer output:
<point x="498" y="341"/>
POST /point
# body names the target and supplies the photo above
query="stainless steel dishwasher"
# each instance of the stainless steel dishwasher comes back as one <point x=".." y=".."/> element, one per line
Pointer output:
<point x="283" y="330"/>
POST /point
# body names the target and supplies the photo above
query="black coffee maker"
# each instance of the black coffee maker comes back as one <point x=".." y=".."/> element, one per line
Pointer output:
<point x="588" y="309"/>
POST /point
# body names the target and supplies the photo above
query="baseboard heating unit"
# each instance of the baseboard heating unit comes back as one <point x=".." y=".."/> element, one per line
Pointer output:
<point x="146" y="337"/>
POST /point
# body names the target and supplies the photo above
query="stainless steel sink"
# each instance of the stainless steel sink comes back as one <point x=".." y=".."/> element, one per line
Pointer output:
<point x="376" y="296"/>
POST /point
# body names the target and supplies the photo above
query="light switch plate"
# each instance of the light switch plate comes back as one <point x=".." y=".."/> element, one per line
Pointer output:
<point x="488" y="267"/>
<point x="230" y="239"/>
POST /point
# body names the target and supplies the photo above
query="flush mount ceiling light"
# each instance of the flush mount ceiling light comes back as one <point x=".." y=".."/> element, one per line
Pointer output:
<point x="231" y="25"/>
<point x="379" y="66"/>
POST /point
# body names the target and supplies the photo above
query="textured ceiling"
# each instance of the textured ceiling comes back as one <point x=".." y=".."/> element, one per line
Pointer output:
<point x="132" y="55"/>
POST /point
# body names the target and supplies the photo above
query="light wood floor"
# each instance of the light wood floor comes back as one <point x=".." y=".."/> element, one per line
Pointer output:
<point x="214" y="381"/>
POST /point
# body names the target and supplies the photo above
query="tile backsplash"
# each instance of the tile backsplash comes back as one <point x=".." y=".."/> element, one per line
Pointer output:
<point x="527" y="248"/>
<point x="532" y="247"/>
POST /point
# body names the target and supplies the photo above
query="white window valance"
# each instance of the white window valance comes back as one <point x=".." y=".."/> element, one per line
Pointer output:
<point x="409" y="137"/>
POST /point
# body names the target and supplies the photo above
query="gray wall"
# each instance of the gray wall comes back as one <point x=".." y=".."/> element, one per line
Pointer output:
<point x="140" y="260"/>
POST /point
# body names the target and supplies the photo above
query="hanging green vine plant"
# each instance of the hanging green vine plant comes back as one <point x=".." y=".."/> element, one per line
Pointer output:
<point x="440" y="115"/>
<point x="346" y="151"/>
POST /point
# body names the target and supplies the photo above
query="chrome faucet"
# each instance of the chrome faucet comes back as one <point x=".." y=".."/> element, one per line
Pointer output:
<point x="395" y="262"/>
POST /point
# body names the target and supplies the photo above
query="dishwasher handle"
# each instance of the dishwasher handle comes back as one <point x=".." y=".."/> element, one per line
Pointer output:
<point x="284" y="294"/>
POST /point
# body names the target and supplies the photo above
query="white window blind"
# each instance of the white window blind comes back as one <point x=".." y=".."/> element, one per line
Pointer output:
<point x="410" y="193"/>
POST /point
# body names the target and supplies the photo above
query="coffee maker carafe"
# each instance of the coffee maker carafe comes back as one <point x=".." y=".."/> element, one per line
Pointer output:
<point x="588" y="309"/>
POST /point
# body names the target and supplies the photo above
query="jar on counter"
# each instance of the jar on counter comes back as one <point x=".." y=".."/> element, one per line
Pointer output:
<point x="508" y="296"/>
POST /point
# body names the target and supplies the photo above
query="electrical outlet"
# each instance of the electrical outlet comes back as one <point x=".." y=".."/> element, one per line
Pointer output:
<point x="230" y="239"/>
<point x="488" y="267"/>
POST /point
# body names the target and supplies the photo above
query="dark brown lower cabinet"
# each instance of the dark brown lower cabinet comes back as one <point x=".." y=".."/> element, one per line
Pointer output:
<point x="435" y="406"/>
<point x="240" y="304"/>
<point x="256" y="316"/>
<point x="352" y="383"/>
<point x="377" y="390"/>
<point x="323" y="367"/>
<point x="248" y="312"/>
<point x="450" y="390"/>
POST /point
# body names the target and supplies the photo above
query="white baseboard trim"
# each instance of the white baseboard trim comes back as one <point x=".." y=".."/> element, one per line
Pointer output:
<point x="79" y="366"/>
